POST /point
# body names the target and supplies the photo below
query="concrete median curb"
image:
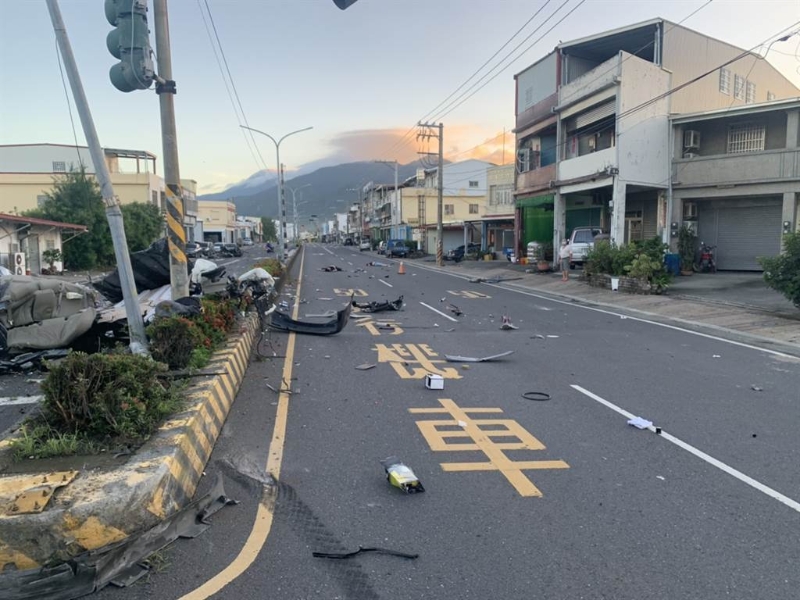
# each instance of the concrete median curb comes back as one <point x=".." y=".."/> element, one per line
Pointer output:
<point x="105" y="506"/>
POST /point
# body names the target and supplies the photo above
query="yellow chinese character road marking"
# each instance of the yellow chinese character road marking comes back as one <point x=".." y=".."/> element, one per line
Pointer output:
<point x="483" y="442"/>
<point x="381" y="327"/>
<point x="348" y="293"/>
<point x="403" y="356"/>
<point x="472" y="295"/>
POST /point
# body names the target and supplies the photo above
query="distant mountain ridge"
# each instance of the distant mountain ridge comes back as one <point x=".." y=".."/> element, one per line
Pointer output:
<point x="327" y="193"/>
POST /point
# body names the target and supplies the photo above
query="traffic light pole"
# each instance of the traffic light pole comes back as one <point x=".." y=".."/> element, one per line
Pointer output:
<point x="138" y="339"/>
<point x="165" y="88"/>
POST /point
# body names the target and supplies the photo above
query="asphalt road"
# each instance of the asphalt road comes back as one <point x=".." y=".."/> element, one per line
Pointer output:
<point x="19" y="392"/>
<point x="571" y="502"/>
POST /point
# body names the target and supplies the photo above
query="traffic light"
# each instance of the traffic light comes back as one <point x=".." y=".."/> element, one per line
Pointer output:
<point x="344" y="3"/>
<point x="129" y="41"/>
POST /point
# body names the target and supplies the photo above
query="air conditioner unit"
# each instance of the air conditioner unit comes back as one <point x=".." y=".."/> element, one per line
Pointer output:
<point x="691" y="139"/>
<point x="20" y="268"/>
<point x="524" y="160"/>
<point x="689" y="210"/>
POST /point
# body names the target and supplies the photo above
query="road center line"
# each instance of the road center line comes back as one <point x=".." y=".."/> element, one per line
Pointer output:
<point x="264" y="515"/>
<point x="385" y="282"/>
<point x="439" y="312"/>
<point x="17" y="400"/>
<point x="699" y="453"/>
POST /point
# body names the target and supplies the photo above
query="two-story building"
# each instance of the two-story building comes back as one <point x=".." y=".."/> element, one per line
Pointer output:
<point x="736" y="179"/>
<point x="219" y="220"/>
<point x="27" y="173"/>
<point x="609" y="97"/>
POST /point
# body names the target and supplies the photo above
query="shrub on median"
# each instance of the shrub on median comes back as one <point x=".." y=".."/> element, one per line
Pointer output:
<point x="782" y="273"/>
<point x="272" y="266"/>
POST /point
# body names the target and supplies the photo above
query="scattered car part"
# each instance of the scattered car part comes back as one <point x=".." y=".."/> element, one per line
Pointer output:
<point x="375" y="306"/>
<point x="455" y="310"/>
<point x="536" y="396"/>
<point x="363" y="550"/>
<point x="400" y="476"/>
<point x="331" y="268"/>
<point x="453" y="358"/>
<point x="640" y="423"/>
<point x="283" y="322"/>
<point x="366" y="366"/>
<point x="507" y="325"/>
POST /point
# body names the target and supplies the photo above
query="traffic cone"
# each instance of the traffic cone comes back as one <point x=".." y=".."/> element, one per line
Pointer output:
<point x="401" y="270"/>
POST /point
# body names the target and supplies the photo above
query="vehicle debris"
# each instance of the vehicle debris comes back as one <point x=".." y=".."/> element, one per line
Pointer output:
<point x="363" y="550"/>
<point x="454" y="358"/>
<point x="331" y="269"/>
<point x="507" y="325"/>
<point x="640" y="423"/>
<point x="434" y="382"/>
<point x="400" y="476"/>
<point x="536" y="396"/>
<point x="366" y="366"/>
<point x="376" y="263"/>
<point x="455" y="310"/>
<point x="283" y="322"/>
<point x="375" y="306"/>
<point x="756" y="388"/>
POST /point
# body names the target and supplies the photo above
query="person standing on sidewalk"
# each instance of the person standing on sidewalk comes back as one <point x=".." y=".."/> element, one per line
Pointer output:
<point x="565" y="253"/>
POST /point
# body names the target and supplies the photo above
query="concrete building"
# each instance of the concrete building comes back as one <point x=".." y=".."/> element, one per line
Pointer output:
<point x="497" y="222"/>
<point x="219" y="220"/>
<point x="24" y="240"/>
<point x="736" y="179"/>
<point x="249" y="228"/>
<point x="463" y="204"/>
<point x="593" y="124"/>
<point x="27" y="173"/>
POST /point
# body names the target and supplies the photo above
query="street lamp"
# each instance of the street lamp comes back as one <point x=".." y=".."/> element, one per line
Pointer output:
<point x="294" y="204"/>
<point x="360" y="202"/>
<point x="281" y="205"/>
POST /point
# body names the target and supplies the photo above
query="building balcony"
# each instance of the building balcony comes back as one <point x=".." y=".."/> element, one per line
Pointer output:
<point x="538" y="112"/>
<point x="602" y="76"/>
<point x="536" y="179"/>
<point x="587" y="165"/>
<point x="733" y="169"/>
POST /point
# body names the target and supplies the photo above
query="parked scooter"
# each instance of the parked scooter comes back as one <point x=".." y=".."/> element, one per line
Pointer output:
<point x="707" y="263"/>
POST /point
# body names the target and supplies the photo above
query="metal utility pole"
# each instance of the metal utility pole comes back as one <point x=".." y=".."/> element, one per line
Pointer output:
<point x="294" y="204"/>
<point x="281" y="204"/>
<point x="138" y="339"/>
<point x="427" y="132"/>
<point x="165" y="88"/>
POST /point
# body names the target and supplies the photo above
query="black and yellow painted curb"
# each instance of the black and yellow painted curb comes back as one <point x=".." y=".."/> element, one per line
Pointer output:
<point x="104" y="506"/>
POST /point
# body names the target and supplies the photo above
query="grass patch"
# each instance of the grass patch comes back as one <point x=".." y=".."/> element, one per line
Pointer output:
<point x="40" y="440"/>
<point x="272" y="266"/>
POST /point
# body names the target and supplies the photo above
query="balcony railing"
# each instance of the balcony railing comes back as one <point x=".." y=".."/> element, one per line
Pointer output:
<point x="538" y="112"/>
<point x="732" y="169"/>
<point x="536" y="179"/>
<point x="587" y="84"/>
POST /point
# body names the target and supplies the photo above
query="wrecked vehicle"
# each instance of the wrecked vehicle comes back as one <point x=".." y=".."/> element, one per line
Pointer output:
<point x="375" y="306"/>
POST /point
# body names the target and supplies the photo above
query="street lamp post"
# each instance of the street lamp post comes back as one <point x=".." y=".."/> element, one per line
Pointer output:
<point x="281" y="204"/>
<point x="294" y="204"/>
<point x="360" y="202"/>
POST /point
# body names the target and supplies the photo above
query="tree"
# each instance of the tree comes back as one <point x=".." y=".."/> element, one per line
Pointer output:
<point x="269" y="229"/>
<point x="76" y="199"/>
<point x="143" y="224"/>
<point x="782" y="273"/>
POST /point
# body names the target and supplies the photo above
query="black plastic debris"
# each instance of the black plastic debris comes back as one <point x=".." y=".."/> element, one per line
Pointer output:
<point x="455" y="358"/>
<point x="330" y="269"/>
<point x="375" y="306"/>
<point x="363" y="550"/>
<point x="331" y="326"/>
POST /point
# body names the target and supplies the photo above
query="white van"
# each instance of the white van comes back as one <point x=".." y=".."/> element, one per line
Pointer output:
<point x="580" y="242"/>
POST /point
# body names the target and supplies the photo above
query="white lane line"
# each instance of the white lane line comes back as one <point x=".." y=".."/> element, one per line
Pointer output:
<point x="699" y="454"/>
<point x="349" y="263"/>
<point x="16" y="400"/>
<point x="326" y="250"/>
<point x="385" y="282"/>
<point x="508" y="288"/>
<point x="439" y="312"/>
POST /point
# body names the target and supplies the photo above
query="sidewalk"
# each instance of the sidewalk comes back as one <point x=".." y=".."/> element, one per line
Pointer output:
<point x="732" y="306"/>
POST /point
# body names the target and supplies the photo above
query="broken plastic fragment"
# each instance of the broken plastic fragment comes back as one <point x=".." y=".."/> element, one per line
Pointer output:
<point x="640" y="423"/>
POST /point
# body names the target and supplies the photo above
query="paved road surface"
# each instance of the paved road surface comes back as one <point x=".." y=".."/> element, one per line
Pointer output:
<point x="570" y="503"/>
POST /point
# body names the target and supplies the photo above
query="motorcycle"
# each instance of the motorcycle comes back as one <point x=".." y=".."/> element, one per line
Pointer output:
<point x="270" y="248"/>
<point x="707" y="262"/>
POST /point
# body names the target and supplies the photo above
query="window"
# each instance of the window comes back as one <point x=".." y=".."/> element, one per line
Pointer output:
<point x="49" y="244"/>
<point x="59" y="166"/>
<point x="449" y="210"/>
<point x="163" y="201"/>
<point x="770" y="96"/>
<point x="473" y="184"/>
<point x="40" y="200"/>
<point x="155" y="197"/>
<point x="528" y="97"/>
<point x="746" y="137"/>
<point x="750" y="93"/>
<point x="473" y="209"/>
<point x="738" y="87"/>
<point x="500" y="195"/>
<point x="725" y="81"/>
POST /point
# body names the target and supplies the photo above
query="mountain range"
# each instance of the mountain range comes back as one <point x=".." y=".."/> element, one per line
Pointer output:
<point x="327" y="192"/>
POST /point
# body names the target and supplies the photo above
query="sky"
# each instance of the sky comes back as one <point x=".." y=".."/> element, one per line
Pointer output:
<point x="361" y="77"/>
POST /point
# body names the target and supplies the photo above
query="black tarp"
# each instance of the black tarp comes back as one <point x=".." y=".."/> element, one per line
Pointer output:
<point x="150" y="271"/>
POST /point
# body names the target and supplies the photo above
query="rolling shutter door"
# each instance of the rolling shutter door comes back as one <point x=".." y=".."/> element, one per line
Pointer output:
<point x="593" y="115"/>
<point x="741" y="234"/>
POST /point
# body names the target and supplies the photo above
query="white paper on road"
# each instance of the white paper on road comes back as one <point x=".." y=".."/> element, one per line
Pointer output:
<point x="640" y="423"/>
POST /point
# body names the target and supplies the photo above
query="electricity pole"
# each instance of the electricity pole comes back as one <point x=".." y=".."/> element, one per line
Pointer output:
<point x="165" y="88"/>
<point x="426" y="132"/>
<point x="138" y="339"/>
<point x="396" y="199"/>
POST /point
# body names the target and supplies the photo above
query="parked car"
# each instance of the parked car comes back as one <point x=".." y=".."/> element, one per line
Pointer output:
<point x="396" y="248"/>
<point x="348" y="241"/>
<point x="581" y="241"/>
<point x="457" y="254"/>
<point x="232" y="249"/>
<point x="382" y="247"/>
<point x="365" y="244"/>
<point x="247" y="242"/>
<point x="193" y="250"/>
